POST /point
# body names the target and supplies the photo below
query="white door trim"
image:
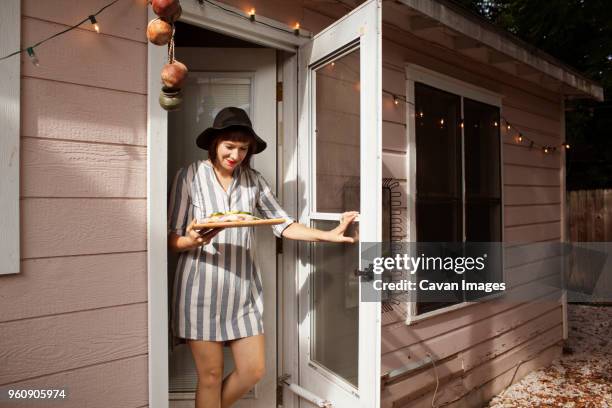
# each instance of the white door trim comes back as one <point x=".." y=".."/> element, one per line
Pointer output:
<point x="157" y="152"/>
<point x="233" y="24"/>
<point x="287" y="310"/>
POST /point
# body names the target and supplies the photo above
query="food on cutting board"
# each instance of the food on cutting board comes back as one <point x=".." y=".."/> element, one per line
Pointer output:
<point x="230" y="216"/>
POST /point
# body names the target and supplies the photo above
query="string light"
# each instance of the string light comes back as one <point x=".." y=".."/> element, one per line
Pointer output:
<point x="33" y="56"/>
<point x="95" y="24"/>
<point x="251" y="17"/>
<point x="30" y="49"/>
<point x="520" y="138"/>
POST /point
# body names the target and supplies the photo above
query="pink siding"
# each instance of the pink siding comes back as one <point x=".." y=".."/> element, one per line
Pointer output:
<point x="77" y="312"/>
<point x="479" y="347"/>
<point x="76" y="315"/>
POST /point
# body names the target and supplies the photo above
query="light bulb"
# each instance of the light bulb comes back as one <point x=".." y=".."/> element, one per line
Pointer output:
<point x="33" y="56"/>
<point x="252" y="14"/>
<point x="93" y="20"/>
<point x="296" y="29"/>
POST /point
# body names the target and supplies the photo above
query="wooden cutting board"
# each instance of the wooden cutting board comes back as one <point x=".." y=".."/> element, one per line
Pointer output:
<point x="235" y="224"/>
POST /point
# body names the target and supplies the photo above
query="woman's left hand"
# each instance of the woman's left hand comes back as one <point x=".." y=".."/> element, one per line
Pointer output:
<point x="337" y="234"/>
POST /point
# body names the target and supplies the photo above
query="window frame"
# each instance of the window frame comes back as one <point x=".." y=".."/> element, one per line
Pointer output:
<point x="10" y="88"/>
<point x="417" y="73"/>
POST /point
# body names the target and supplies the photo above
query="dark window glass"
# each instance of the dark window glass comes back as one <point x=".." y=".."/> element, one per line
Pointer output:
<point x="482" y="171"/>
<point x="438" y="162"/>
<point x="441" y="156"/>
<point x="438" y="174"/>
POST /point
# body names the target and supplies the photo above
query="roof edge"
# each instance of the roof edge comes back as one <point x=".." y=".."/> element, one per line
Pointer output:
<point x="487" y="33"/>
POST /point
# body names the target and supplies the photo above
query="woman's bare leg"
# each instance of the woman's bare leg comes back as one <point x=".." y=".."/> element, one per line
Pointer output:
<point x="208" y="357"/>
<point x="249" y="359"/>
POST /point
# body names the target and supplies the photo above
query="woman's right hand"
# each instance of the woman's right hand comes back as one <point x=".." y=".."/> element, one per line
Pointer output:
<point x="198" y="239"/>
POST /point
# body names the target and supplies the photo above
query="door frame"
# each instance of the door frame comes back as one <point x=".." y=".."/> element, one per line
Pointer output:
<point x="216" y="19"/>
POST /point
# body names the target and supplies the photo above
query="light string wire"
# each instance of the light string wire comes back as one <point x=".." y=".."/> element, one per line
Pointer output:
<point x="86" y="19"/>
<point x="396" y="98"/>
<point x="295" y="31"/>
<point x="521" y="139"/>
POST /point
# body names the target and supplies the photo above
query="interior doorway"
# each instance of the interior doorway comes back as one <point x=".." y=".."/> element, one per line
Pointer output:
<point x="225" y="71"/>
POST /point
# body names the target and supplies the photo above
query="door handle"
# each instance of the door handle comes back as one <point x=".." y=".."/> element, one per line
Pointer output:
<point x="367" y="274"/>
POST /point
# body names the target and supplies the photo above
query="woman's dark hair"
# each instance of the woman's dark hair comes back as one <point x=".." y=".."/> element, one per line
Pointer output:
<point x="231" y="134"/>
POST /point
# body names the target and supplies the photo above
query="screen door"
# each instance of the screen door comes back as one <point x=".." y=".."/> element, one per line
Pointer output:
<point x="340" y="145"/>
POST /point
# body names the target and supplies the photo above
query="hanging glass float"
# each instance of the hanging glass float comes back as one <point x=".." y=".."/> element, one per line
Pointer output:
<point x="170" y="99"/>
<point x="160" y="31"/>
<point x="165" y="8"/>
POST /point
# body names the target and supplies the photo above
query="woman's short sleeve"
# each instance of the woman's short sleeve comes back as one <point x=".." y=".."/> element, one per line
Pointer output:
<point x="268" y="206"/>
<point x="180" y="208"/>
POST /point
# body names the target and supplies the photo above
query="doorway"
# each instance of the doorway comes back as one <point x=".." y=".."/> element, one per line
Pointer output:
<point x="300" y="55"/>
<point x="225" y="71"/>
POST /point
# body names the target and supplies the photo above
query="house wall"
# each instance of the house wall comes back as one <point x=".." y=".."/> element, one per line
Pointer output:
<point x="76" y="315"/>
<point x="479" y="349"/>
<point x="75" y="318"/>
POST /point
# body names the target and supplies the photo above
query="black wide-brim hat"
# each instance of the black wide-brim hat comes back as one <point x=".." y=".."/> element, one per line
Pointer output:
<point x="226" y="119"/>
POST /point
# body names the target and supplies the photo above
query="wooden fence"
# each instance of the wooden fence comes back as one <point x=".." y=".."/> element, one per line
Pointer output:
<point x="590" y="221"/>
<point x="590" y="215"/>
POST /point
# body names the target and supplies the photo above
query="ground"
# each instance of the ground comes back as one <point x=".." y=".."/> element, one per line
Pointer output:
<point x="582" y="377"/>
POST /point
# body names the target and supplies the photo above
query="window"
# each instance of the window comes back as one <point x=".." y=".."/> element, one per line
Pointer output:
<point x="455" y="163"/>
<point x="10" y="29"/>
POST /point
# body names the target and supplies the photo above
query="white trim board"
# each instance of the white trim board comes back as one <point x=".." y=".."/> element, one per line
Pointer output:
<point x="214" y="18"/>
<point x="417" y="73"/>
<point x="10" y="94"/>
<point x="157" y="242"/>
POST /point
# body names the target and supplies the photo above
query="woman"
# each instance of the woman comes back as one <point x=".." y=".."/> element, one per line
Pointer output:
<point x="217" y="294"/>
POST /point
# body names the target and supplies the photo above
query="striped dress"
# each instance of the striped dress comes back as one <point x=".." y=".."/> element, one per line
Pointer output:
<point x="217" y="291"/>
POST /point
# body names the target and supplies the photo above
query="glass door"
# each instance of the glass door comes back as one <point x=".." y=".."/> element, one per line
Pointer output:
<point x="340" y="144"/>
